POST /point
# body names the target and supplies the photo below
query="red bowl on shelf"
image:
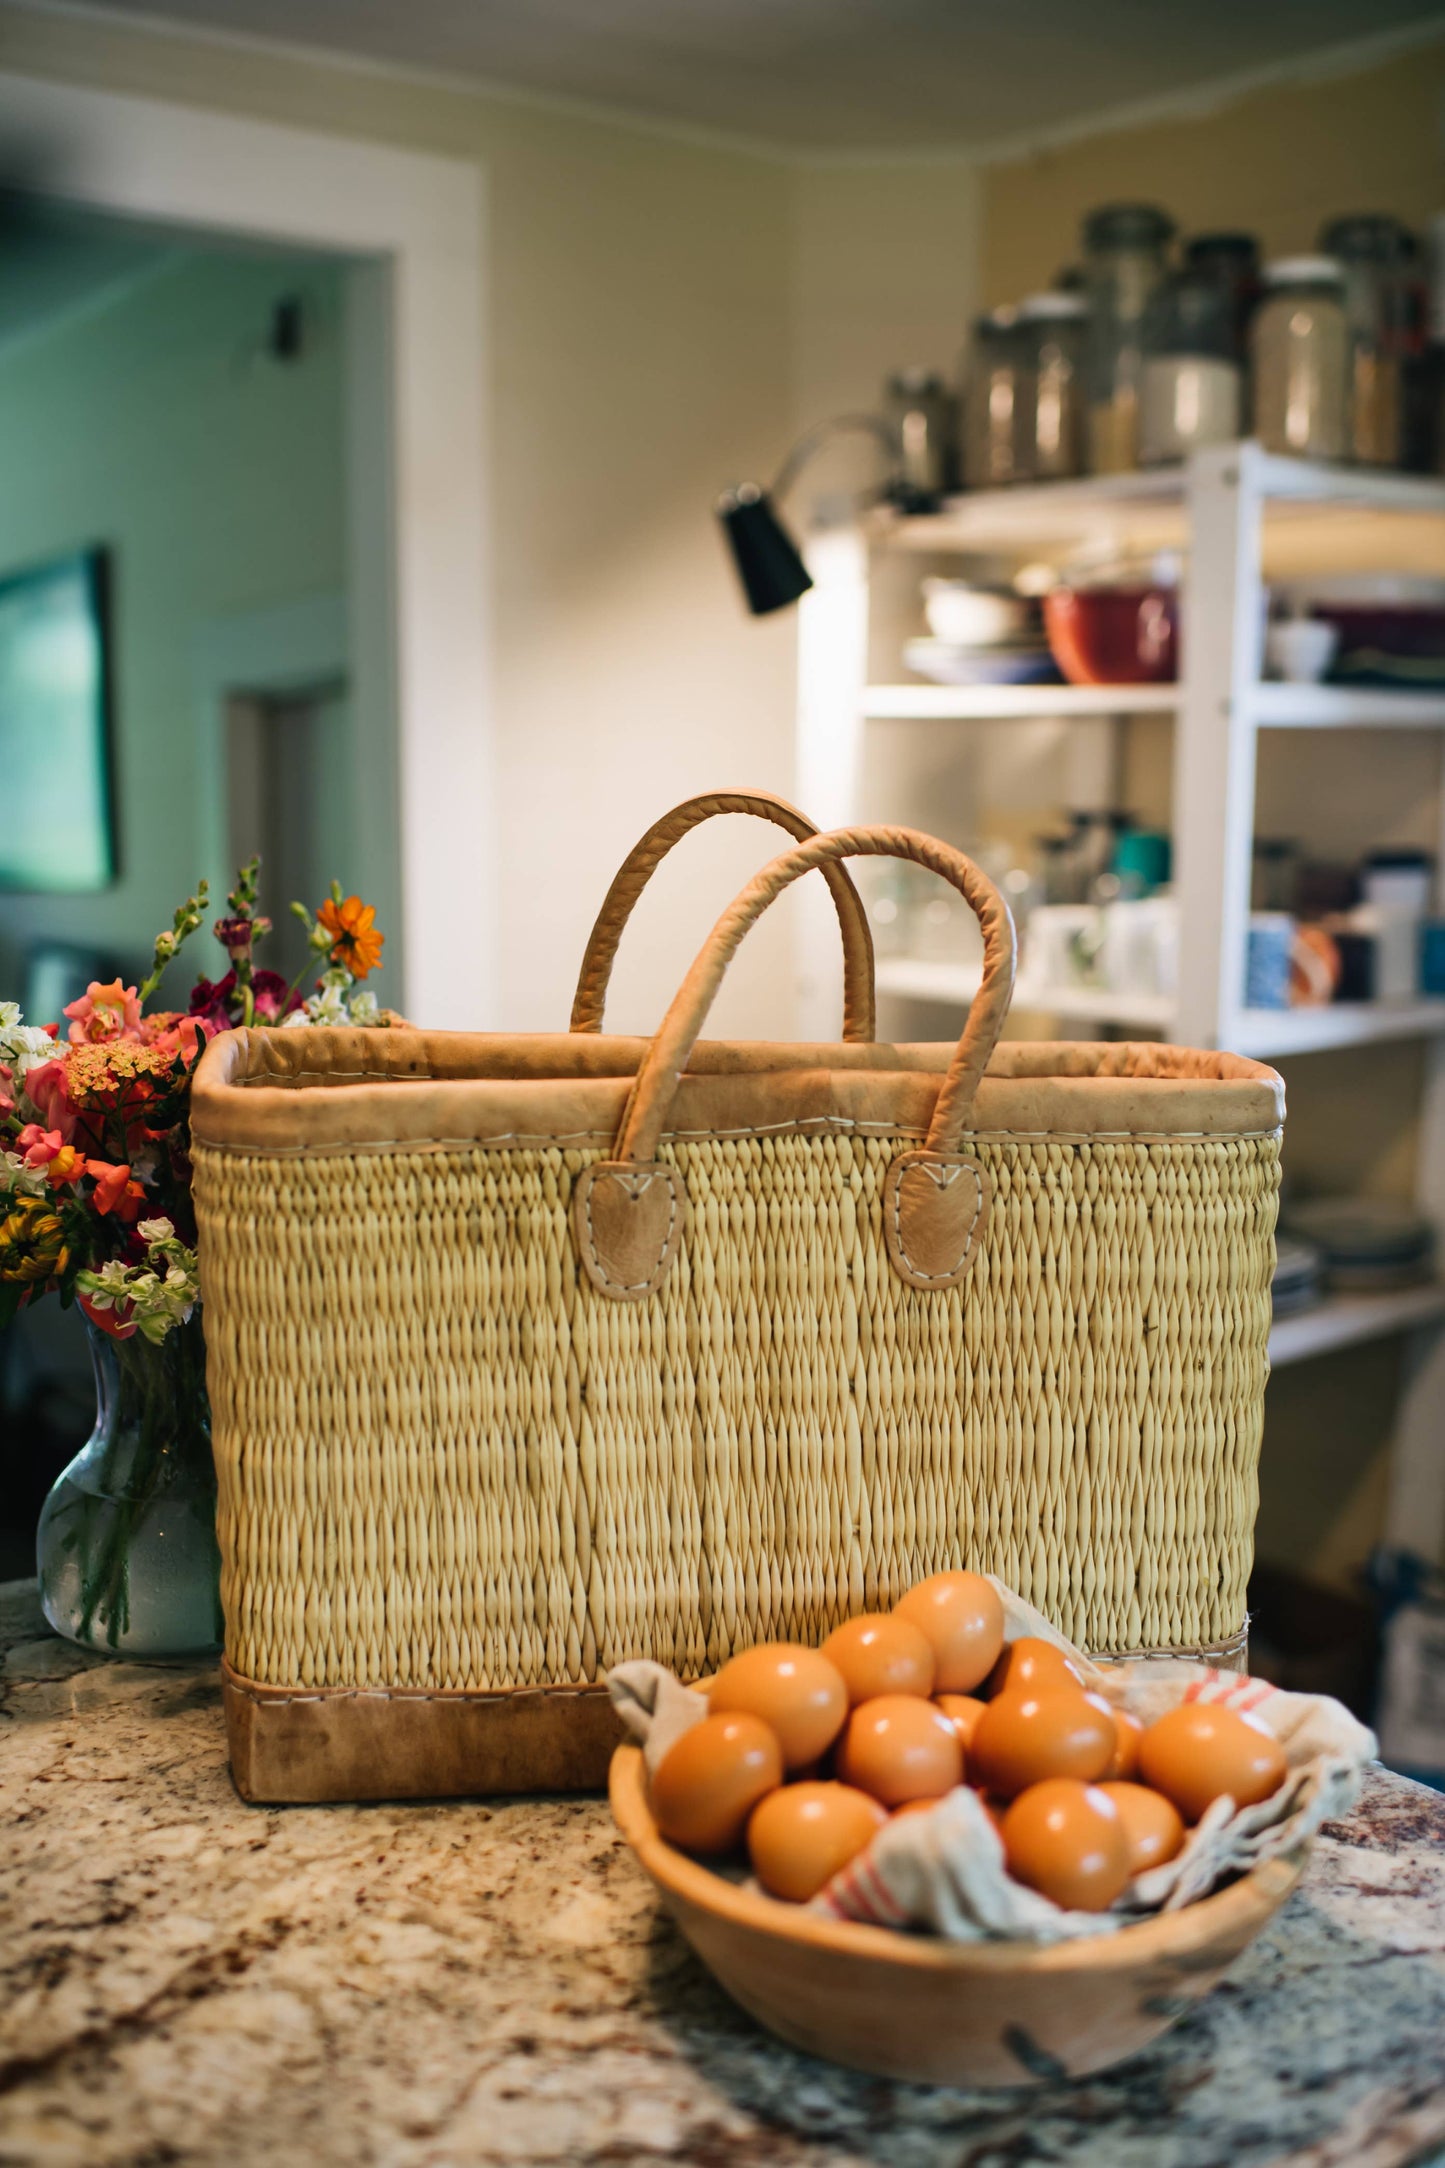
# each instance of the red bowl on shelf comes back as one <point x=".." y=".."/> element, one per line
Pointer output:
<point x="1114" y="635"/>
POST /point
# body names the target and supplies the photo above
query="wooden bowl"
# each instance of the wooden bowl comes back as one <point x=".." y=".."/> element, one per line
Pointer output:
<point x="947" y="2013"/>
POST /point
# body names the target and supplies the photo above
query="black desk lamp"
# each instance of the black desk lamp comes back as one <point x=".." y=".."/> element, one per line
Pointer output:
<point x="768" y="564"/>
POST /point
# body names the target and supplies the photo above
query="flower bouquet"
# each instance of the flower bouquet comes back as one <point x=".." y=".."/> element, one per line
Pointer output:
<point x="95" y="1206"/>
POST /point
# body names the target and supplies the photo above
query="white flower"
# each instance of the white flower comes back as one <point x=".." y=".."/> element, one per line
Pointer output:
<point x="155" y="1230"/>
<point x="9" y="1015"/>
<point x="19" y="1179"/>
<point x="24" y="1046"/>
<point x="327" y="1007"/>
<point x="364" y="1009"/>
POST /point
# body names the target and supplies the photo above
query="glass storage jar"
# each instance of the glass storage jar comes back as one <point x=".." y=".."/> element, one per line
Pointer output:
<point x="996" y="392"/>
<point x="1299" y="348"/>
<point x="923" y="414"/>
<point x="1052" y="330"/>
<point x="1231" y="262"/>
<point x="1125" y="249"/>
<point x="1382" y="304"/>
<point x="1191" y="388"/>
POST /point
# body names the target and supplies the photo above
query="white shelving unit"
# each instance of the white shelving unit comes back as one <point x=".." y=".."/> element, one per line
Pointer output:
<point x="1239" y="512"/>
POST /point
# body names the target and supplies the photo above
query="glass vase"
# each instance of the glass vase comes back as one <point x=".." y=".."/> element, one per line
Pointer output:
<point x="126" y="1547"/>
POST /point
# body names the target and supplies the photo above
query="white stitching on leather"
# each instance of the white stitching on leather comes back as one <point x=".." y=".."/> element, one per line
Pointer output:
<point x="935" y="1172"/>
<point x="642" y="1185"/>
<point x="533" y="1139"/>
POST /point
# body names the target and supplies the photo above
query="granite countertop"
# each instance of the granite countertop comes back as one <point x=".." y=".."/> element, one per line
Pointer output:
<point x="187" y="1979"/>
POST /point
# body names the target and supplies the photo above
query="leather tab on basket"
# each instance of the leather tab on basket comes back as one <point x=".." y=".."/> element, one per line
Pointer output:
<point x="935" y="1209"/>
<point x="627" y="1219"/>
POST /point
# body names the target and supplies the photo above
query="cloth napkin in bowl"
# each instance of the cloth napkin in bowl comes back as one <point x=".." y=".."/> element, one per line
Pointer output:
<point x="944" y="1872"/>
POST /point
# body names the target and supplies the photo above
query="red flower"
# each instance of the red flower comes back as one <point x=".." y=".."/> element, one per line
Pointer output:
<point x="211" y="1001"/>
<point x="114" y="1323"/>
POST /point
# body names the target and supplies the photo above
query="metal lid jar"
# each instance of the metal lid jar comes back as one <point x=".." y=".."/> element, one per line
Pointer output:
<point x="1192" y="383"/>
<point x="1383" y="305"/>
<point x="997" y="386"/>
<point x="1299" y="347"/>
<point x="1125" y="256"/>
<point x="1053" y="328"/>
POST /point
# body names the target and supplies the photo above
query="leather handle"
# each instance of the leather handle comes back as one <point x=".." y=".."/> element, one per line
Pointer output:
<point x="629" y="1212"/>
<point x="643" y="860"/>
<point x="667" y="1057"/>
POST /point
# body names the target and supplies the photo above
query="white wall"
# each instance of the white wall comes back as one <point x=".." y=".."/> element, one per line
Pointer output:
<point x="215" y="477"/>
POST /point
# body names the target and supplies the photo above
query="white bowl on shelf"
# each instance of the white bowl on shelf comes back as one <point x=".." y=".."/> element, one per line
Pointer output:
<point x="1300" y="649"/>
<point x="969" y="616"/>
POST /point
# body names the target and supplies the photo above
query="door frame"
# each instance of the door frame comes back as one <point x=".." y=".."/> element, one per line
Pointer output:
<point x="420" y="658"/>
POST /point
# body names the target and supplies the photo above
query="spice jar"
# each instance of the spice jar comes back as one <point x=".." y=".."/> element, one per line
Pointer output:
<point x="1229" y="261"/>
<point x="1299" y="346"/>
<point x="996" y="391"/>
<point x="1124" y="261"/>
<point x="923" y="415"/>
<point x="1382" y="306"/>
<point x="1052" y="329"/>
<point x="1191" y="388"/>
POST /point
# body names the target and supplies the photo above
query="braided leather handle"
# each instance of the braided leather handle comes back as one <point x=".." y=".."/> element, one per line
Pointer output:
<point x="629" y="1212"/>
<point x="647" y="855"/>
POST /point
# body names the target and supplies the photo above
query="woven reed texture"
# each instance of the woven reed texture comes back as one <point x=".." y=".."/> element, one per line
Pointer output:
<point x="445" y="1461"/>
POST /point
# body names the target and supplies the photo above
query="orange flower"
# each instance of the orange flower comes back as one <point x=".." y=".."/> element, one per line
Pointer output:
<point x="112" y="1187"/>
<point x="355" y="942"/>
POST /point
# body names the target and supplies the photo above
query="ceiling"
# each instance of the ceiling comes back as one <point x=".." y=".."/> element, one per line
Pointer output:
<point x="822" y="76"/>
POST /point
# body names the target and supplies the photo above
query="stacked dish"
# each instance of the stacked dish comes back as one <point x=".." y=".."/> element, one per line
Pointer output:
<point x="1298" y="1276"/>
<point x="1366" y="1242"/>
<point x="981" y="636"/>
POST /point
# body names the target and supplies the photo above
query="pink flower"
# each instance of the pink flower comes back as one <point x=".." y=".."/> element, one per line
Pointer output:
<point x="273" y="997"/>
<point x="48" y="1149"/>
<point x="171" y="1032"/>
<point x="104" y="1012"/>
<point x="45" y="1089"/>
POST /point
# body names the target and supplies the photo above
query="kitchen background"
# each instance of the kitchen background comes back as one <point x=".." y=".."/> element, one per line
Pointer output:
<point x="666" y="313"/>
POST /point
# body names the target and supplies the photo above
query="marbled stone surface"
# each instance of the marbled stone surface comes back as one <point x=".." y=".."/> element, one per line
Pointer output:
<point x="187" y="1979"/>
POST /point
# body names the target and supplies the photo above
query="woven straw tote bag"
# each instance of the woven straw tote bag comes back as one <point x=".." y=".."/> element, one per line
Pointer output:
<point x="531" y="1354"/>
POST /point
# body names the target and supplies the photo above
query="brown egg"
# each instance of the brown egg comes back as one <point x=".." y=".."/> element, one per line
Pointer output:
<point x="963" y="1712"/>
<point x="880" y="1654"/>
<point x="1200" y="1750"/>
<point x="913" y="1806"/>
<point x="898" y="1747"/>
<point x="1066" y="1840"/>
<point x="1023" y="1738"/>
<point x="962" y="1618"/>
<point x="796" y="1692"/>
<point x="800" y="1836"/>
<point x="1128" y="1731"/>
<point x="1030" y="1662"/>
<point x="710" y="1779"/>
<point x="1152" y="1828"/>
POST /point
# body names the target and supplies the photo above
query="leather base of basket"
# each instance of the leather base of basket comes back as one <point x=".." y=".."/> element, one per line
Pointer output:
<point x="292" y="1746"/>
<point x="297" y="1746"/>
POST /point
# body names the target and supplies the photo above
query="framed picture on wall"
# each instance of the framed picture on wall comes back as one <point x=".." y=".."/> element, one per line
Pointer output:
<point x="58" y="790"/>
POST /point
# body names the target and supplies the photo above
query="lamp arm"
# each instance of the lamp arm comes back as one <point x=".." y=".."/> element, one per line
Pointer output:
<point x="813" y="440"/>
